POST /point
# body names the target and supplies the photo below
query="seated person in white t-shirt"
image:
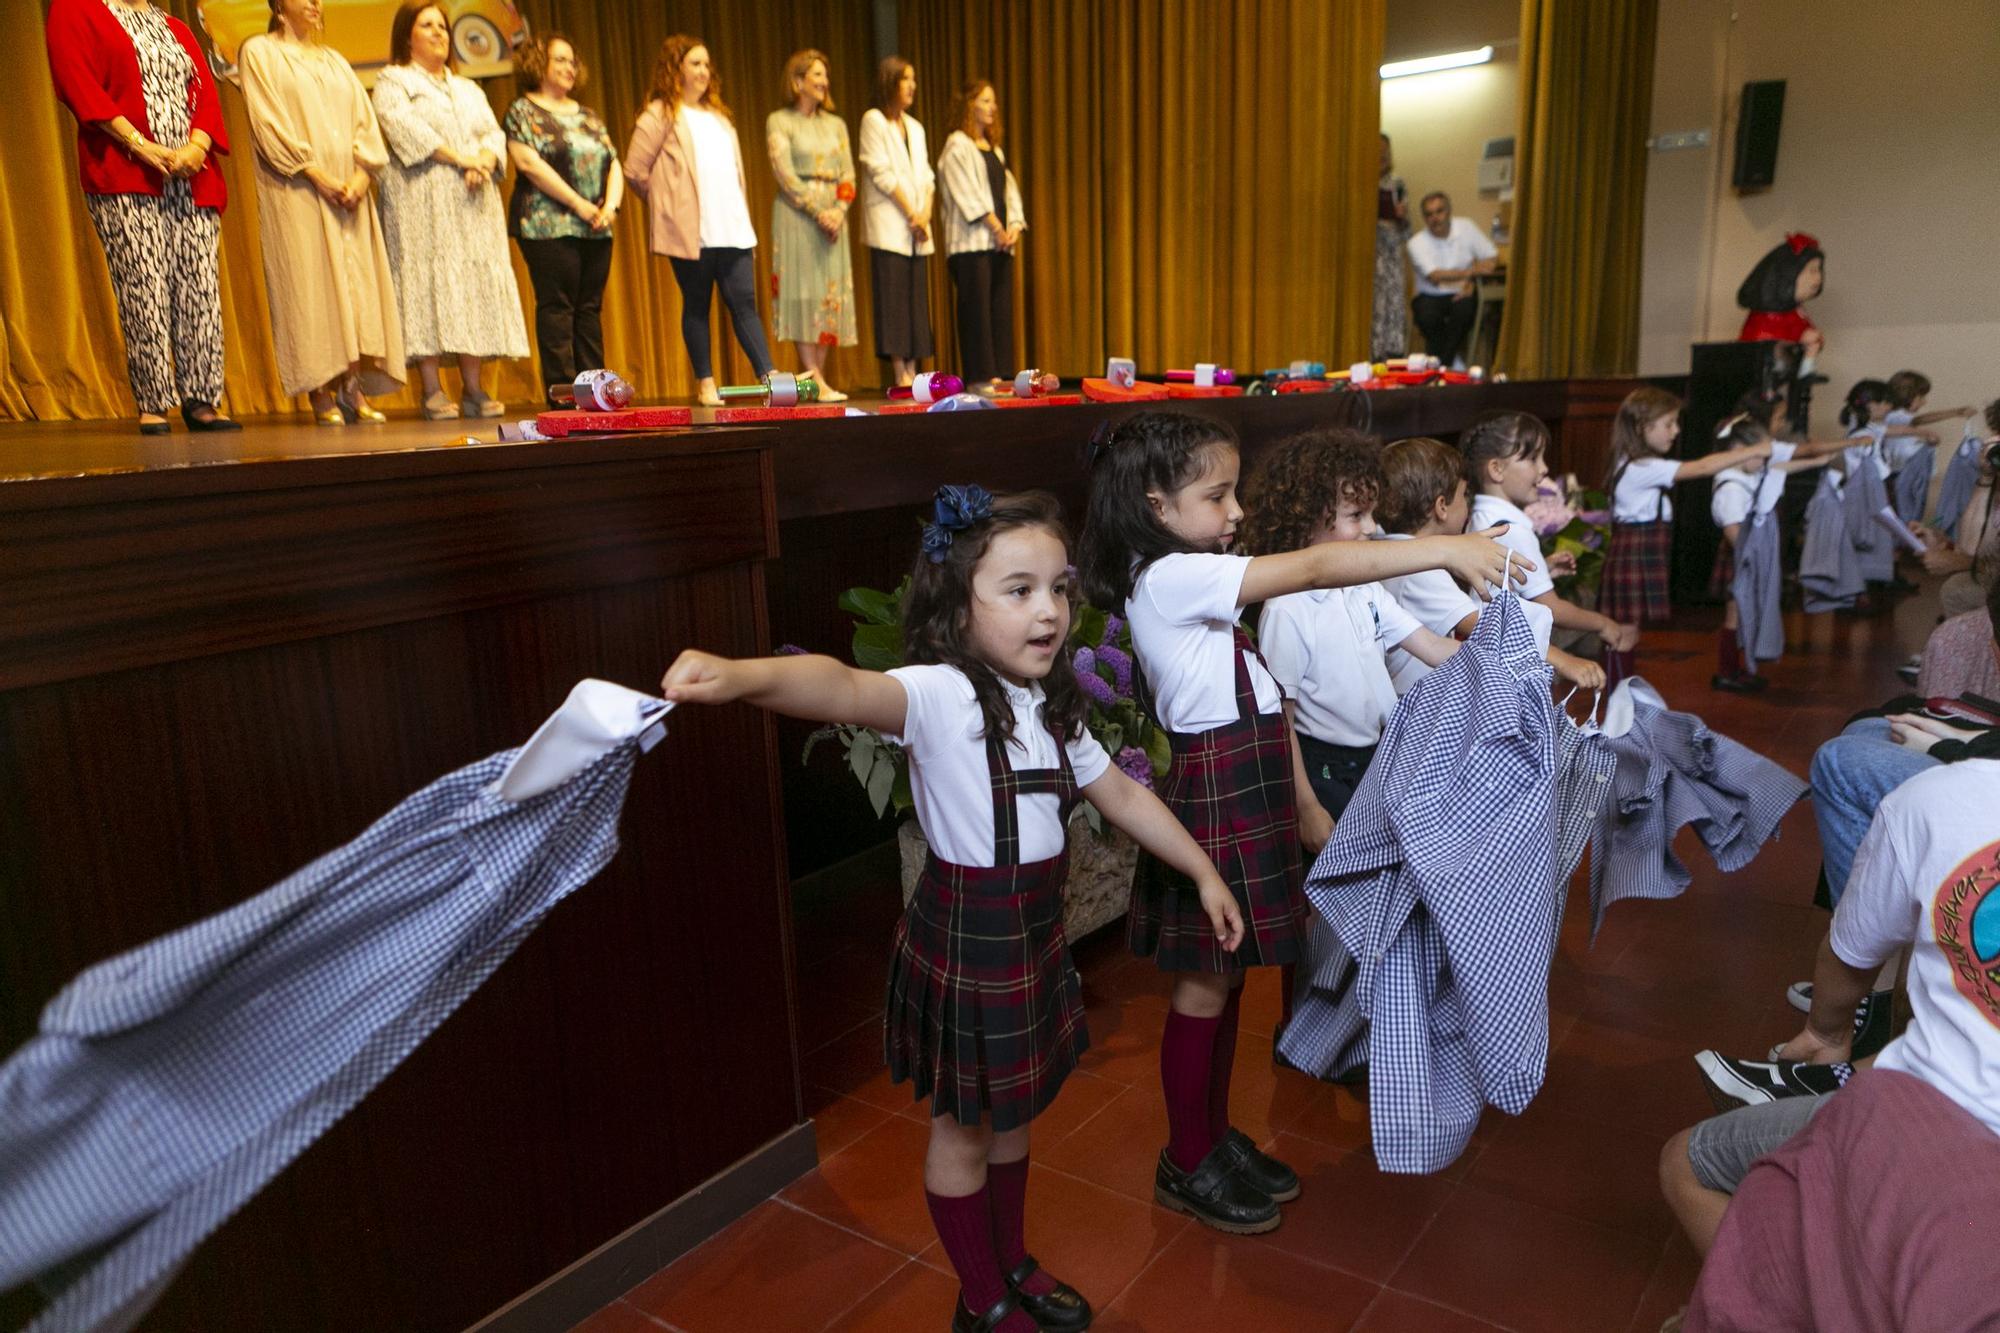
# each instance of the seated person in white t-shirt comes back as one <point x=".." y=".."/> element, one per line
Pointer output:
<point x="1927" y="877"/>
<point x="1449" y="254"/>
<point x="1506" y="458"/>
<point x="1328" y="647"/>
<point x="1423" y="494"/>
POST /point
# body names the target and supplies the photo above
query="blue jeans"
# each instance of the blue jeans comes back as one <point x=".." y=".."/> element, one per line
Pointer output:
<point x="1850" y="775"/>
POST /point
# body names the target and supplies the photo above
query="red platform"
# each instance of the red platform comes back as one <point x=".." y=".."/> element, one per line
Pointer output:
<point x="803" y="412"/>
<point x="1104" y="391"/>
<point x="570" y="421"/>
<point x="1204" y="391"/>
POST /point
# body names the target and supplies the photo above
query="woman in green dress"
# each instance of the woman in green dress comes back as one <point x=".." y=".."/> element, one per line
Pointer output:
<point x="812" y="273"/>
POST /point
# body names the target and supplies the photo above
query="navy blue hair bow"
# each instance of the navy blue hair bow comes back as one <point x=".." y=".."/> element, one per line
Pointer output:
<point x="956" y="508"/>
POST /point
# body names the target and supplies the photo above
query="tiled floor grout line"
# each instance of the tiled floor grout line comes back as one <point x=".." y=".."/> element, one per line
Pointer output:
<point x="867" y="1295"/>
<point x="877" y="1242"/>
<point x="1152" y="1259"/>
<point x="647" y="1315"/>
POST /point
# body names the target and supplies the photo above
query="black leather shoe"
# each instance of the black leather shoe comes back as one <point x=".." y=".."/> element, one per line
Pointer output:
<point x="1064" y="1308"/>
<point x="964" y="1321"/>
<point x="213" y="421"/>
<point x="1264" y="1173"/>
<point x="1215" y="1195"/>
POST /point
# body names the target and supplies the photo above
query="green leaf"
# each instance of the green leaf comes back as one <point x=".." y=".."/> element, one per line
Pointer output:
<point x="881" y="784"/>
<point x="861" y="755"/>
<point x="878" y="647"/>
<point x="872" y="605"/>
<point x="1087" y="629"/>
<point x="1160" y="751"/>
<point x="900" y="795"/>
<point x="1093" y="818"/>
<point x="1112" y="738"/>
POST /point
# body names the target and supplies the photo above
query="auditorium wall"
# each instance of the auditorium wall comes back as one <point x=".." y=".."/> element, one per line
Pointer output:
<point x="1889" y="153"/>
<point x="1440" y="122"/>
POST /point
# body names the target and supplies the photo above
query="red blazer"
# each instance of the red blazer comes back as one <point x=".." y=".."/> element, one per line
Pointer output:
<point x="97" y="77"/>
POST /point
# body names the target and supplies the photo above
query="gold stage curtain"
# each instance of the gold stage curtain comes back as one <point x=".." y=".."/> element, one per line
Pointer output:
<point x="1199" y="175"/>
<point x="1580" y="189"/>
<point x="63" y="358"/>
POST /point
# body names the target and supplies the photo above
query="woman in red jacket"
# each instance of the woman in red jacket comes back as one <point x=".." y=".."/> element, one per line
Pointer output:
<point x="147" y="122"/>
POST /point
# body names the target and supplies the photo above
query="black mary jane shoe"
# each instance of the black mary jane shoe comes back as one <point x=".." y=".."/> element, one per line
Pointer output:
<point x="154" y="428"/>
<point x="964" y="1321"/>
<point x="213" y="421"/>
<point x="1215" y="1195"/>
<point x="1063" y="1309"/>
<point x="1265" y="1173"/>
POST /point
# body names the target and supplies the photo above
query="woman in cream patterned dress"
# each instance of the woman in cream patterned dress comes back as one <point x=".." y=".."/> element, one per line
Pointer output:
<point x="812" y="272"/>
<point x="442" y="215"/>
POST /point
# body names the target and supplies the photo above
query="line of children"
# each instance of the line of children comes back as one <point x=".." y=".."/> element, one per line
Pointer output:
<point x="1163" y="516"/>
<point x="1634" y="588"/>
<point x="1424" y="493"/>
<point x="1912" y="457"/>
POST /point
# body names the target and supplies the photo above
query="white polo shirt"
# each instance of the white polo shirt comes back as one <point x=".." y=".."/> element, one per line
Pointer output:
<point x="1734" y="496"/>
<point x="1870" y="449"/>
<point x="1434" y="600"/>
<point x="1182" y="614"/>
<point x="1329" y="649"/>
<point x="1458" y="250"/>
<point x="946" y="736"/>
<point x="1519" y="537"/>
<point x="1645" y="491"/>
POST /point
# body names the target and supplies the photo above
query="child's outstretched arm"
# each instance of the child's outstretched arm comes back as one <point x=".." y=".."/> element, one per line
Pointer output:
<point x="1803" y="453"/>
<point x="1431" y="649"/>
<point x="1576" y="670"/>
<point x="1618" y="638"/>
<point x="1710" y="464"/>
<point x="1140" y="813"/>
<point x="818" y="689"/>
<point x="1475" y="559"/>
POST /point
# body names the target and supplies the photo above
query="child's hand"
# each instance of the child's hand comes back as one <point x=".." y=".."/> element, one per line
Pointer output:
<point x="1223" y="914"/>
<point x="1479" y="561"/>
<point x="1315" y="826"/>
<point x="702" y="678"/>
<point x="1562" y="564"/>
<point x="1621" y="638"/>
<point x="1580" y="671"/>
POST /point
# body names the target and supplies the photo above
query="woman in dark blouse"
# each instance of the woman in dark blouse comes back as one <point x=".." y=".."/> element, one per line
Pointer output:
<point x="564" y="203"/>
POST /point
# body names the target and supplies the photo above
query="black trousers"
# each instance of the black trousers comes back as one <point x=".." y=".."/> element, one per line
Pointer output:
<point x="568" y="273"/>
<point x="984" y="280"/>
<point x="1334" y="771"/>
<point x="732" y="270"/>
<point x="1446" y="322"/>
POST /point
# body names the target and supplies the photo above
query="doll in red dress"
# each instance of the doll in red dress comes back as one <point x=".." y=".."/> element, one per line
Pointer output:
<point x="1775" y="294"/>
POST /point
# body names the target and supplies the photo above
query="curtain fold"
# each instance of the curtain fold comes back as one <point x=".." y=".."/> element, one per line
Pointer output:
<point x="1199" y="174"/>
<point x="1199" y="180"/>
<point x="1580" y="188"/>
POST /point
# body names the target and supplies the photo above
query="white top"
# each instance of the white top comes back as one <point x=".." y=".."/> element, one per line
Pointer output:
<point x="1437" y="602"/>
<point x="1898" y="450"/>
<point x="1870" y="450"/>
<point x="967" y="195"/>
<point x="1429" y="253"/>
<point x="888" y="161"/>
<point x="1519" y="538"/>
<point x="1183" y="615"/>
<point x="1928" y="874"/>
<point x="1735" y="495"/>
<point x="725" y="212"/>
<point x="1329" y="649"/>
<point x="946" y="736"/>
<point x="1645" y="490"/>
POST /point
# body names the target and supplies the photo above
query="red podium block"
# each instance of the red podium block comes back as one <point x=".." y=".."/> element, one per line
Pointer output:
<point x="804" y="411"/>
<point x="1305" y="386"/>
<point x="1204" y="391"/>
<point x="575" y="421"/>
<point x="1046" y="400"/>
<point x="1104" y="391"/>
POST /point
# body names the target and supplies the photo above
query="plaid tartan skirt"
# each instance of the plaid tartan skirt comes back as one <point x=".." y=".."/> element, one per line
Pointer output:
<point x="1724" y="574"/>
<point x="1231" y="788"/>
<point x="985" y="1009"/>
<point x="1633" y="590"/>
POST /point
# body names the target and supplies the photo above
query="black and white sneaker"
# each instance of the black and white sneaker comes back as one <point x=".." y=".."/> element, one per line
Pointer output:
<point x="1871" y="1018"/>
<point x="1734" y="1083"/>
<point x="1799" y="996"/>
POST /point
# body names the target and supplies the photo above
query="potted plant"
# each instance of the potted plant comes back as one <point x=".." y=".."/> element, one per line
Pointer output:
<point x="1101" y="859"/>
<point x="1571" y="521"/>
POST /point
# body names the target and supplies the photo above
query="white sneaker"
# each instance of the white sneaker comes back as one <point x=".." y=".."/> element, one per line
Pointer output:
<point x="1799" y="996"/>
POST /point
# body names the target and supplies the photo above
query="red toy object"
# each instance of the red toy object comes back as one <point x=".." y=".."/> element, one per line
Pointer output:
<point x="805" y="411"/>
<point x="1045" y="400"/>
<point x="928" y="388"/>
<point x="1216" y="374"/>
<point x="571" y="421"/>
<point x="1204" y="391"/>
<point x="1027" y="384"/>
<point x="1305" y="386"/>
<point x="1104" y="391"/>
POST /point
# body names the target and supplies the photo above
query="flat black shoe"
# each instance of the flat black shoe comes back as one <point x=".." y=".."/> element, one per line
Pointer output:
<point x="1215" y="1195"/>
<point x="1733" y="684"/>
<point x="1064" y="1308"/>
<point x="1264" y="1173"/>
<point x="209" y="423"/>
<point x="964" y="1321"/>
<point x="154" y="428"/>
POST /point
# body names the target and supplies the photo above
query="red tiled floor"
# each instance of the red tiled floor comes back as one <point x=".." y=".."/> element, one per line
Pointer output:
<point x="1549" y="1221"/>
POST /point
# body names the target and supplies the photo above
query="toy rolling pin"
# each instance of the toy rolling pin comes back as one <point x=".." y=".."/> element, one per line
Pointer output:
<point x="1033" y="384"/>
<point x="593" y="391"/>
<point x="780" y="388"/>
<point x="1205" y="373"/>
<point x="929" y="387"/>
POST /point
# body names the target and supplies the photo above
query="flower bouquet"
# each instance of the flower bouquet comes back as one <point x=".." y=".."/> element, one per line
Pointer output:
<point x="1573" y="526"/>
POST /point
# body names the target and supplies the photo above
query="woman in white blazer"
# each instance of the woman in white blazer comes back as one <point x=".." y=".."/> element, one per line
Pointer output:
<point x="897" y="189"/>
<point x="983" y="222"/>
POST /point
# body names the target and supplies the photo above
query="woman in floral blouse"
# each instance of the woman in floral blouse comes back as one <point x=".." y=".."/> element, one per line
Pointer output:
<point x="812" y="273"/>
<point x="565" y="201"/>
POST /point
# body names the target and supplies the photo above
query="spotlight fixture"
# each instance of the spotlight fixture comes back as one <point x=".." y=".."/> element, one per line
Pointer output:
<point x="1397" y="69"/>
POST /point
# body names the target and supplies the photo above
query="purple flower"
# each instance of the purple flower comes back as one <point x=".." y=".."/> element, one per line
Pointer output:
<point x="1113" y="627"/>
<point x="1085" y="661"/>
<point x="1134" y="764"/>
<point x="1593" y="539"/>
<point x="1596" y="518"/>
<point x="1097" y="688"/>
<point x="788" y="650"/>
<point x="1121" y="668"/>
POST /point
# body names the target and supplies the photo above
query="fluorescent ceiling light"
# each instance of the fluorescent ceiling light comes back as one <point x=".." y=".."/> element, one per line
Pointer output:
<point x="1396" y="69"/>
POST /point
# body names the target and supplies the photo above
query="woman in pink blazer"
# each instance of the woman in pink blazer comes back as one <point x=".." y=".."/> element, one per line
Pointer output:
<point x="685" y="159"/>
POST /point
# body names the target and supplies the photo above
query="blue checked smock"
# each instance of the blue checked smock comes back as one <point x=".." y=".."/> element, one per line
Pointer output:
<point x="1672" y="772"/>
<point x="1961" y="478"/>
<point x="1439" y="881"/>
<point x="168" y="1085"/>
<point x="1829" y="566"/>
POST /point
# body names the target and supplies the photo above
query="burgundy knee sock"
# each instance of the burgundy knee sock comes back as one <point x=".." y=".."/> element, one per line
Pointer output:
<point x="1222" y="1063"/>
<point x="965" y="1225"/>
<point x="1728" y="653"/>
<point x="1187" y="1053"/>
<point x="1007" y="1187"/>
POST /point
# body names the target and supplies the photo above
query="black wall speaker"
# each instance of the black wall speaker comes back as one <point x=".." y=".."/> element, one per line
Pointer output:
<point x="1757" y="122"/>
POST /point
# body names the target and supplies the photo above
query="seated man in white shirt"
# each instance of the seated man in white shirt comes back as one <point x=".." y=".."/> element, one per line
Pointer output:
<point x="1448" y="254"/>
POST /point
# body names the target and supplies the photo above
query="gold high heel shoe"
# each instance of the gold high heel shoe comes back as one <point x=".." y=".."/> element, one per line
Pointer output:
<point x="331" y="417"/>
<point x="355" y="410"/>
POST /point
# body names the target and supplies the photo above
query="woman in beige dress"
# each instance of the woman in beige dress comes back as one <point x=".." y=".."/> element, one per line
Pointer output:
<point x="333" y="300"/>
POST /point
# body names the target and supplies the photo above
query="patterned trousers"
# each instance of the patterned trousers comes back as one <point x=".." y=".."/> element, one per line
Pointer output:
<point x="163" y="254"/>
